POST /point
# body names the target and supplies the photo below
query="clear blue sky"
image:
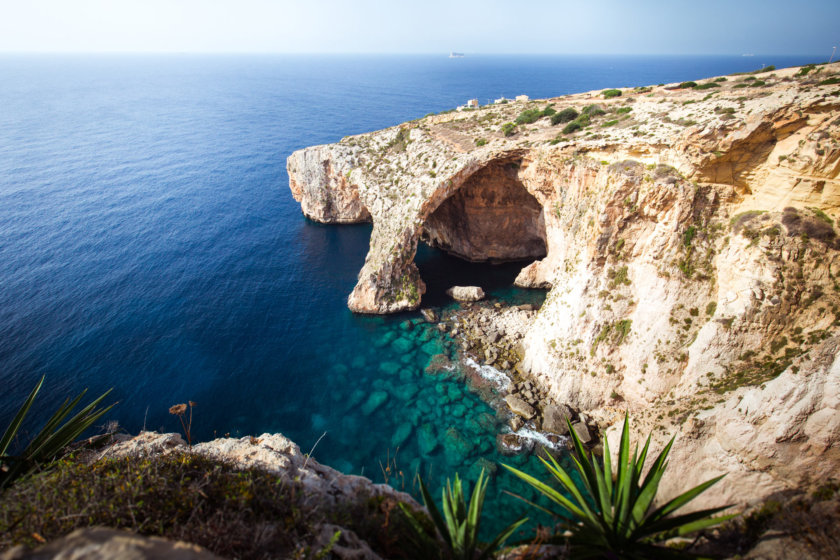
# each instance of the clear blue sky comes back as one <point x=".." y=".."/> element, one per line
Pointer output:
<point x="433" y="26"/>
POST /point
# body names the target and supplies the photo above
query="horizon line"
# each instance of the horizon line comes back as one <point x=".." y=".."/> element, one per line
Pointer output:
<point x="372" y="53"/>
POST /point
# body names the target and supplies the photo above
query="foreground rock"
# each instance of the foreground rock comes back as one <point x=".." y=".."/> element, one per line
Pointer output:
<point x="101" y="543"/>
<point x="688" y="242"/>
<point x="273" y="453"/>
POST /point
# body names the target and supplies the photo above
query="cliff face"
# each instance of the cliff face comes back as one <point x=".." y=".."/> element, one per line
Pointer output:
<point x="686" y="237"/>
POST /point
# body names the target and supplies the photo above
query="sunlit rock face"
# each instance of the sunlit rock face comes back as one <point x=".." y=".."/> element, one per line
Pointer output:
<point x="688" y="239"/>
<point x="490" y="218"/>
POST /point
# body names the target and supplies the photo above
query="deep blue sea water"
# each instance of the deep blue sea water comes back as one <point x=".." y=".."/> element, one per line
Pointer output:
<point x="149" y="243"/>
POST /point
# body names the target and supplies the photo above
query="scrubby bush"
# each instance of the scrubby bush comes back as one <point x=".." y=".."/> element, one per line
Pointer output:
<point x="686" y="85"/>
<point x="808" y="227"/>
<point x="829" y="81"/>
<point x="566" y="115"/>
<point x="509" y="129"/>
<point x="593" y="110"/>
<point x="708" y="85"/>
<point x="480" y="141"/>
<point x="610" y="93"/>
<point x="573" y="126"/>
<point x="529" y="116"/>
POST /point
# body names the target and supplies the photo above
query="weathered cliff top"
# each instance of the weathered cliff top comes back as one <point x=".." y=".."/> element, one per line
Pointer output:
<point x="771" y="136"/>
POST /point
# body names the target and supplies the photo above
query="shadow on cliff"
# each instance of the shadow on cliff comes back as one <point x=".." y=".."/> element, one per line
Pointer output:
<point x="440" y="271"/>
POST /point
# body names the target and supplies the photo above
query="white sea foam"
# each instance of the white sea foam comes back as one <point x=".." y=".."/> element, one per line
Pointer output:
<point x="499" y="378"/>
<point x="540" y="438"/>
<point x="535" y="437"/>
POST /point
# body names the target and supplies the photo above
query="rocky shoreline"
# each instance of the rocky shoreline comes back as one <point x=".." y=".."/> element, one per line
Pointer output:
<point x="687" y="236"/>
<point x="489" y="337"/>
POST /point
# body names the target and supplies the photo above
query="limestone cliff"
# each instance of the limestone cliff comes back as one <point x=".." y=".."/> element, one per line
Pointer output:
<point x="686" y="236"/>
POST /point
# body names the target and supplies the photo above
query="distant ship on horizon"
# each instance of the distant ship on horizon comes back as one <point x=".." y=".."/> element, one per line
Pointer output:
<point x="454" y="54"/>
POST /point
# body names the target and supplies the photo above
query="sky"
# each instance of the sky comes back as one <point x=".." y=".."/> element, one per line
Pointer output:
<point x="809" y="27"/>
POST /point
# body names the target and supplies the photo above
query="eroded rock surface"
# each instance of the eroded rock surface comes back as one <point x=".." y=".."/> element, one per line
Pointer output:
<point x="690" y="252"/>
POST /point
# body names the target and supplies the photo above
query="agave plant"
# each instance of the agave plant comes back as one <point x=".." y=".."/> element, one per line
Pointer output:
<point x="459" y="525"/>
<point x="616" y="517"/>
<point x="51" y="440"/>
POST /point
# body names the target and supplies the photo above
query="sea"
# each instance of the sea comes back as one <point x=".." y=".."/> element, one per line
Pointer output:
<point x="149" y="244"/>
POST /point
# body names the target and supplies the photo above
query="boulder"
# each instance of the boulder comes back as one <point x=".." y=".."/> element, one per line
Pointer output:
<point x="429" y="315"/>
<point x="515" y="423"/>
<point x="582" y="432"/>
<point x="100" y="543"/>
<point x="465" y="293"/>
<point x="555" y="419"/>
<point x="520" y="407"/>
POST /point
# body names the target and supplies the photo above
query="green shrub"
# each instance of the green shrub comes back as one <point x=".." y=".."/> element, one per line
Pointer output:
<point x="609" y="123"/>
<point x="459" y="525"/>
<point x="529" y="116"/>
<point x="721" y="79"/>
<point x="51" y="440"/>
<point x="686" y="85"/>
<point x="508" y="129"/>
<point x="610" y="93"/>
<point x="573" y="126"/>
<point x="593" y="110"/>
<point x="708" y="85"/>
<point x="829" y="82"/>
<point x="480" y="142"/>
<point x="623" y="110"/>
<point x="613" y="515"/>
<point x="805" y="69"/>
<point x="566" y="115"/>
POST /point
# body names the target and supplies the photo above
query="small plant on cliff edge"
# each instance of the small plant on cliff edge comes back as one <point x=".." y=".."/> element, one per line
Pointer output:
<point x="615" y="517"/>
<point x="53" y="438"/>
<point x="180" y="410"/>
<point x="459" y="525"/>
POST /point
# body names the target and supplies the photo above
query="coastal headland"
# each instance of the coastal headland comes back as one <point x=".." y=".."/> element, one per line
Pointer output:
<point x="685" y="234"/>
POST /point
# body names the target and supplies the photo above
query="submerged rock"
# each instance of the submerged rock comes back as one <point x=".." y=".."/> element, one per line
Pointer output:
<point x="402" y="433"/>
<point x="375" y="400"/>
<point x="427" y="439"/>
<point x="456" y="447"/>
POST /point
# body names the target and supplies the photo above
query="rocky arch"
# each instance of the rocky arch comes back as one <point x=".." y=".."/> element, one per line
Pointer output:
<point x="489" y="216"/>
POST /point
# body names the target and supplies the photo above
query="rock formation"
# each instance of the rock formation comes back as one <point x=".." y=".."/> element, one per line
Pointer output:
<point x="686" y="237"/>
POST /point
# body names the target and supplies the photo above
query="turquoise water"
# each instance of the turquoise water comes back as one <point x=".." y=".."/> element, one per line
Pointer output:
<point x="149" y="243"/>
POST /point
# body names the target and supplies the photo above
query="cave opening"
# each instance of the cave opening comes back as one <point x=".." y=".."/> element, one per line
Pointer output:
<point x="482" y="234"/>
<point x="490" y="218"/>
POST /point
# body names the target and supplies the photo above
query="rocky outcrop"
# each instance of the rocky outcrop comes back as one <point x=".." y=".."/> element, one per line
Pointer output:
<point x="687" y="240"/>
<point x="101" y="543"/>
<point x="465" y="293"/>
<point x="274" y="453"/>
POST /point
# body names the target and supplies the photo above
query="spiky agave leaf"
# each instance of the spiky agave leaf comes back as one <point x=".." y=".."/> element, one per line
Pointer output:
<point x="459" y="524"/>
<point x="621" y="518"/>
<point x="52" y="438"/>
